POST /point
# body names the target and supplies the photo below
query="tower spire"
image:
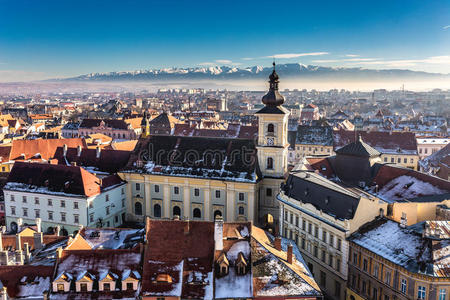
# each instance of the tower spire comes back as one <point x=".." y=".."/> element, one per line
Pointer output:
<point x="273" y="97"/>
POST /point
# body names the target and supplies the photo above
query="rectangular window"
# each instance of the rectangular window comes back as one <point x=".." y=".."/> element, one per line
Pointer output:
<point x="286" y="214"/>
<point x="330" y="261"/>
<point x="63" y="203"/>
<point x="241" y="196"/>
<point x="197" y="193"/>
<point x="12" y="198"/>
<point x="337" y="288"/>
<point x="385" y="159"/>
<point x="421" y="292"/>
<point x="365" y="264"/>
<point x="107" y="210"/>
<point x="269" y="192"/>
<point x="315" y="251"/>
<point x="91" y="204"/>
<point x="364" y="287"/>
<point x="106" y="287"/>
<point x="122" y="191"/>
<point x="442" y="294"/>
<point x="156" y="188"/>
<point x="339" y="244"/>
<point x="76" y="219"/>
<point x="138" y="186"/>
<point x="37" y="213"/>
<point x="25" y="212"/>
<point x="323" y="278"/>
<point x="304" y="225"/>
<point x="36" y="200"/>
<point x="331" y="240"/>
<point x="375" y="293"/>
<point x="309" y="228"/>
<point x="392" y="159"/>
<point x="91" y="218"/>
<point x="129" y="286"/>
<point x="75" y="205"/>
<point x="24" y="199"/>
<point x="291" y="220"/>
<point x="107" y="198"/>
<point x="176" y="190"/>
<point x="50" y="215"/>
<point x="375" y="271"/>
<point x="83" y="287"/>
<point x="60" y="287"/>
<point x="355" y="258"/>
<point x="316" y="231"/>
<point x="303" y="243"/>
<point x="405" y="160"/>
<point x="123" y="202"/>
<point x="324" y="255"/>
<point x="296" y="220"/>
<point x="403" y="286"/>
<point x="387" y="278"/>
<point x="386" y="297"/>
<point x="63" y="217"/>
<point x="324" y="236"/>
<point x="338" y="264"/>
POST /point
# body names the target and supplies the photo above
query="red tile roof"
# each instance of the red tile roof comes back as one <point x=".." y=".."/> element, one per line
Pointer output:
<point x="46" y="148"/>
<point x="19" y="280"/>
<point x="176" y="248"/>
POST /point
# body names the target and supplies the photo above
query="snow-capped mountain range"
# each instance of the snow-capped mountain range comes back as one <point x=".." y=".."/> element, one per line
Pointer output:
<point x="291" y="70"/>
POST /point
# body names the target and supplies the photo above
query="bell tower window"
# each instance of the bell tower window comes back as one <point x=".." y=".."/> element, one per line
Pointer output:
<point x="270" y="129"/>
<point x="270" y="163"/>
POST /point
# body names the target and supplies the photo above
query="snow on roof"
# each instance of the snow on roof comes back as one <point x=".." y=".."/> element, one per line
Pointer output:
<point x="407" y="187"/>
<point x="384" y="241"/>
<point x="111" y="238"/>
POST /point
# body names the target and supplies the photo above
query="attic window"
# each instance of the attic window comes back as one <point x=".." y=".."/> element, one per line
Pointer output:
<point x="164" y="278"/>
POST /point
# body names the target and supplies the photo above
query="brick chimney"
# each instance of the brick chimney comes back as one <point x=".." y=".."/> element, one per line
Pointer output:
<point x="290" y="256"/>
<point x="277" y="243"/>
<point x="218" y="233"/>
<point x="79" y="151"/>
<point x="65" y="150"/>
<point x="97" y="152"/>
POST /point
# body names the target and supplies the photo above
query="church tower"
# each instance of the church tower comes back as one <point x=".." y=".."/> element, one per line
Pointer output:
<point x="272" y="147"/>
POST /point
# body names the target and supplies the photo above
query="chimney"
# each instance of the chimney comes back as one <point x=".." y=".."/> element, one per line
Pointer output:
<point x="57" y="230"/>
<point x="19" y="224"/>
<point x="289" y="255"/>
<point x="78" y="150"/>
<point x="65" y="150"/>
<point x="26" y="247"/>
<point x="97" y="152"/>
<point x="38" y="240"/>
<point x="18" y="242"/>
<point x="1" y="241"/>
<point x="19" y="257"/>
<point x="59" y="252"/>
<point x="74" y="163"/>
<point x="277" y="243"/>
<point x="187" y="228"/>
<point x="4" y="257"/>
<point x="38" y="224"/>
<point x="218" y="233"/>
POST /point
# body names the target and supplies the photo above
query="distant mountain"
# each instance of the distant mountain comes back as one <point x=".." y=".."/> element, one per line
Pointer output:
<point x="286" y="71"/>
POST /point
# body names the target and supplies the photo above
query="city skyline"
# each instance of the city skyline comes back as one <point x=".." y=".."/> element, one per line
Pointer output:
<point x="53" y="39"/>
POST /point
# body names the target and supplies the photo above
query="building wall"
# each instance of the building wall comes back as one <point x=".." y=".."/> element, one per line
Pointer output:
<point x="302" y="150"/>
<point x="370" y="270"/>
<point x="405" y="160"/>
<point x="416" y="211"/>
<point x="213" y="195"/>
<point x="64" y="204"/>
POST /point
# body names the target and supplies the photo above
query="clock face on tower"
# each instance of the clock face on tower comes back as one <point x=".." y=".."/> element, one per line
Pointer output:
<point x="270" y="141"/>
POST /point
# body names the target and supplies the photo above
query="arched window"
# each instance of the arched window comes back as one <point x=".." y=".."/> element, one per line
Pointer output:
<point x="241" y="210"/>
<point x="217" y="213"/>
<point x="157" y="210"/>
<point x="270" y="128"/>
<point x="138" y="208"/>
<point x="269" y="163"/>
<point x="197" y="213"/>
<point x="176" y="211"/>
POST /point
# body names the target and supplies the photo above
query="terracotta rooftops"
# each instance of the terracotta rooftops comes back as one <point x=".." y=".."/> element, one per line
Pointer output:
<point x="26" y="281"/>
<point x="41" y="148"/>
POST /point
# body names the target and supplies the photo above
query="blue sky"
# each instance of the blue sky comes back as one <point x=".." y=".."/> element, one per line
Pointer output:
<point x="48" y="39"/>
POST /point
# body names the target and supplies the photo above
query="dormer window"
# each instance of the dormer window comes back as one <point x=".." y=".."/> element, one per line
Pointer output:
<point x="241" y="264"/>
<point x="223" y="264"/>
